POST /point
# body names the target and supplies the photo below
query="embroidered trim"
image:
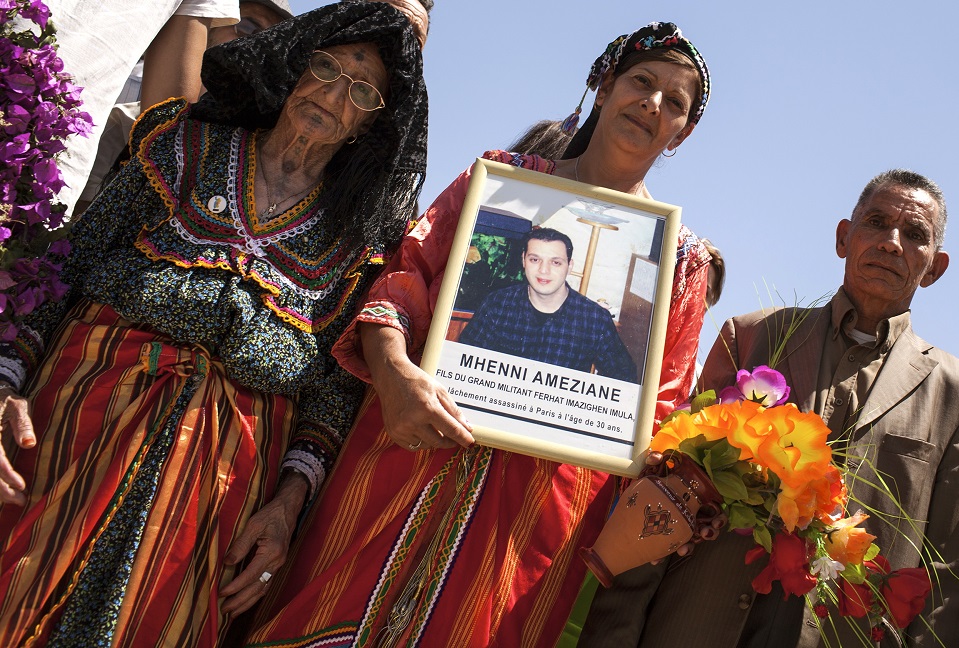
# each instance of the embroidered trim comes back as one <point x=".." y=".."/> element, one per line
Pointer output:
<point x="237" y="244"/>
<point x="383" y="312"/>
<point x="426" y="581"/>
<point x="257" y="244"/>
<point x="339" y="636"/>
<point x="304" y="323"/>
<point x="150" y="169"/>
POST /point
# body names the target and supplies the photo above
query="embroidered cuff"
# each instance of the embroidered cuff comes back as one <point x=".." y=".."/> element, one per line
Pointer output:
<point x="386" y="313"/>
<point x="308" y="465"/>
<point x="20" y="356"/>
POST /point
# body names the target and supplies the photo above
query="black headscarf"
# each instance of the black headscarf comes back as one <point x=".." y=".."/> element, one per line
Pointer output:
<point x="371" y="185"/>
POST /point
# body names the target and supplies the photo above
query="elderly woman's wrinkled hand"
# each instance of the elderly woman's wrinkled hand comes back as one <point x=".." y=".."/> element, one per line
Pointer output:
<point x="268" y="535"/>
<point x="711" y="520"/>
<point x="14" y="422"/>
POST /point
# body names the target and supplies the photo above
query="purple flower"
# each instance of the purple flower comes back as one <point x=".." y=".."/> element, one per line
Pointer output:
<point x="60" y="248"/>
<point x="37" y="12"/>
<point x="17" y="118"/>
<point x="15" y="147"/>
<point x="8" y="331"/>
<point x="46" y="173"/>
<point x="763" y="385"/>
<point x="35" y="213"/>
<point x="8" y="193"/>
<point x="26" y="301"/>
<point x="46" y="113"/>
<point x="81" y="123"/>
<point x="21" y="84"/>
<point x="39" y="106"/>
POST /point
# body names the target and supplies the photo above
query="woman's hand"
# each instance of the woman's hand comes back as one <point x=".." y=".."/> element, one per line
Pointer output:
<point x="270" y="531"/>
<point x="14" y="421"/>
<point x="418" y="412"/>
<point x="710" y="520"/>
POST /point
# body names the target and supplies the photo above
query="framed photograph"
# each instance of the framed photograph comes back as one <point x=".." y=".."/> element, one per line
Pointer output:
<point x="550" y="323"/>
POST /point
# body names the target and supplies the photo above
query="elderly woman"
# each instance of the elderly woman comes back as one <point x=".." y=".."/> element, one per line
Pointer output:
<point x="186" y="380"/>
<point x="421" y="537"/>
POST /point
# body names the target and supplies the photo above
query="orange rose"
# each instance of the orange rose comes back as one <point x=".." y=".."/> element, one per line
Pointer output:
<point x="847" y="542"/>
<point x="730" y="421"/>
<point x="793" y="444"/>
<point x="714" y="422"/>
<point x="822" y="498"/>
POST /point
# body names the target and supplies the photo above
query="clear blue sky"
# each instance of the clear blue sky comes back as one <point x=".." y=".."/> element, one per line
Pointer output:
<point x="810" y="100"/>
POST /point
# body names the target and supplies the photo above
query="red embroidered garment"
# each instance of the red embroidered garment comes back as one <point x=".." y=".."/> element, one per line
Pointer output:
<point x="471" y="547"/>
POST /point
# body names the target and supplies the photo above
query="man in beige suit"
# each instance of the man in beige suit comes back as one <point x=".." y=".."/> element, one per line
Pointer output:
<point x="889" y="398"/>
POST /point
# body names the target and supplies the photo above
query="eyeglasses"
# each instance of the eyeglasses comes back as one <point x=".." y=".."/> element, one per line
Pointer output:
<point x="326" y="68"/>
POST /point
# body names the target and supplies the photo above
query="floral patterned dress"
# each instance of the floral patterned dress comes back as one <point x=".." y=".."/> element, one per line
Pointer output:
<point x="190" y="357"/>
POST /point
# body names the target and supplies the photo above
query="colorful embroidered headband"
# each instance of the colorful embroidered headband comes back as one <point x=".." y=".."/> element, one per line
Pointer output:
<point x="664" y="35"/>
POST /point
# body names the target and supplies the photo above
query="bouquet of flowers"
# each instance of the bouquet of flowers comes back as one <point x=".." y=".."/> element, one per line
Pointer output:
<point x="774" y="469"/>
<point x="39" y="109"/>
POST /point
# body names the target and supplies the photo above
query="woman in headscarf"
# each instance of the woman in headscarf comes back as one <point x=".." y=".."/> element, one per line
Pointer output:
<point x="185" y="382"/>
<point x="421" y="537"/>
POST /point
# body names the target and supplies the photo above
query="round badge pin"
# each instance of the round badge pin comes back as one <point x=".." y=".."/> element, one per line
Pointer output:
<point x="216" y="204"/>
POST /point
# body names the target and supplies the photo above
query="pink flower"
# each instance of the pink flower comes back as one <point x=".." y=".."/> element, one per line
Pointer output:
<point x="762" y="385"/>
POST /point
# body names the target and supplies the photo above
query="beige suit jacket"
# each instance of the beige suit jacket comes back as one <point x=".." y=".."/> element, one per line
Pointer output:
<point x="908" y="430"/>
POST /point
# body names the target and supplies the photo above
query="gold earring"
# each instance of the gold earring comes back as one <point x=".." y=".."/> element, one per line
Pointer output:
<point x="351" y="139"/>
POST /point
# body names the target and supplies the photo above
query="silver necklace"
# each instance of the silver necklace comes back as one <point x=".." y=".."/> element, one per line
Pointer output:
<point x="273" y="204"/>
<point x="269" y="195"/>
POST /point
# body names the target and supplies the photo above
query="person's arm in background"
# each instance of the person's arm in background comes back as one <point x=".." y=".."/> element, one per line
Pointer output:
<point x="171" y="65"/>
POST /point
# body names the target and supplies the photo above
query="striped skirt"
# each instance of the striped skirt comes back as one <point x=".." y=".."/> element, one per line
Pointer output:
<point x="451" y="548"/>
<point x="148" y="461"/>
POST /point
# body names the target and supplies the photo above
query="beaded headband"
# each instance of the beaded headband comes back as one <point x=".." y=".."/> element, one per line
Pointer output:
<point x="665" y="35"/>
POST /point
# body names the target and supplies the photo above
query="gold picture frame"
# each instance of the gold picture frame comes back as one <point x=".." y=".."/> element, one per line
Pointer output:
<point x="577" y="403"/>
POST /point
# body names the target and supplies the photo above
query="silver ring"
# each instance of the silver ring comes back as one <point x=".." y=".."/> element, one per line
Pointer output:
<point x="265" y="577"/>
<point x="418" y="444"/>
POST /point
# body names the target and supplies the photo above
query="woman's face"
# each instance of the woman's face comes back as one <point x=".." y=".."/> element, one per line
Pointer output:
<point x="646" y="108"/>
<point x="322" y="112"/>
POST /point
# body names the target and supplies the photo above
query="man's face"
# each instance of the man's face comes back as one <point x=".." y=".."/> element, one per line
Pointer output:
<point x="890" y="248"/>
<point x="254" y="18"/>
<point x="546" y="266"/>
